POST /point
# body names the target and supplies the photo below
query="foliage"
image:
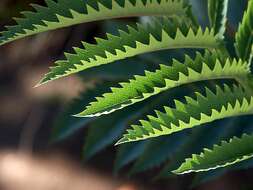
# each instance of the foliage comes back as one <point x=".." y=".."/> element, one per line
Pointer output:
<point x="206" y="67"/>
<point x="217" y="11"/>
<point x="66" y="13"/>
<point x="195" y="112"/>
<point x="228" y="153"/>
<point x="182" y="127"/>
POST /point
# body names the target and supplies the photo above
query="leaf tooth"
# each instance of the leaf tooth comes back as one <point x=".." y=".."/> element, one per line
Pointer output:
<point x="192" y="34"/>
<point x="192" y="72"/>
<point x="251" y="103"/>
<point x="245" y="105"/>
<point x="10" y="28"/>
<point x="38" y="7"/>
<point x="237" y="105"/>
<point x="147" y="126"/>
<point x="183" y="122"/>
<point x="194" y="121"/>
<point x="178" y="66"/>
<point x="109" y="54"/>
<point x="182" y="77"/>
<point x="200" y="98"/>
<point x="155" y="122"/>
<point x="165" y="36"/>
<point x="17" y="20"/>
<point x="138" y="131"/>
<point x="133" y="29"/>
<point x="229" y="107"/>
<point x="191" y="101"/>
<point x="93" y="11"/>
<point x="173" y="128"/>
<point x="227" y="88"/>
<point x="179" y="35"/>
<point x="189" y="60"/>
<point x="206" y="116"/>
<point x="27" y="14"/>
<point x="219" y="90"/>
<point x="153" y="39"/>
<point x="227" y="65"/>
<point x="180" y="106"/>
<point x="162" y="118"/>
<point x="209" y="93"/>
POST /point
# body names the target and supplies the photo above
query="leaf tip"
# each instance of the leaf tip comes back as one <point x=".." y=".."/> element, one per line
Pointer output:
<point x="78" y="115"/>
<point x="41" y="82"/>
<point x="180" y="171"/>
<point x="177" y="172"/>
<point x="121" y="141"/>
<point x="37" y="85"/>
<point x="83" y="114"/>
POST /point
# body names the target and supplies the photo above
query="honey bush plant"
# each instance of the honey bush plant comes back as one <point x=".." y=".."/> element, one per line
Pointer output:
<point x="188" y="83"/>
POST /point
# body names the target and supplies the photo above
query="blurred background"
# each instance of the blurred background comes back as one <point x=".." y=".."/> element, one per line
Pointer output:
<point x="43" y="147"/>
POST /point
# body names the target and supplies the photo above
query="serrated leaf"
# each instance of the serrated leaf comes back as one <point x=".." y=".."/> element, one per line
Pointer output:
<point x="197" y="141"/>
<point x="106" y="130"/>
<point x="228" y="153"/>
<point x="127" y="153"/>
<point x="162" y="34"/>
<point x="209" y="66"/>
<point x="65" y="13"/>
<point x="217" y="12"/>
<point x="244" y="35"/>
<point x="223" y="103"/>
<point x="203" y="177"/>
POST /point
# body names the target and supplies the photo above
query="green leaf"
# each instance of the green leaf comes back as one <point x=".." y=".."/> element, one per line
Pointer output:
<point x="232" y="128"/>
<point x="244" y="35"/>
<point x="106" y="130"/>
<point x="66" y="13"/>
<point x="209" y="66"/>
<point x="196" y="141"/>
<point x="127" y="153"/>
<point x="217" y="12"/>
<point x="223" y="103"/>
<point x="162" y="34"/>
<point x="228" y="153"/>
